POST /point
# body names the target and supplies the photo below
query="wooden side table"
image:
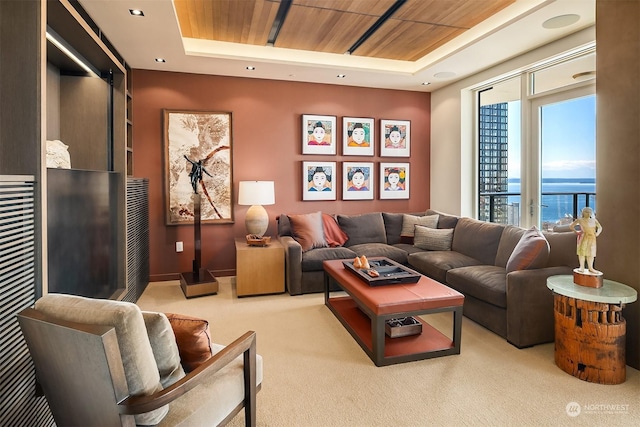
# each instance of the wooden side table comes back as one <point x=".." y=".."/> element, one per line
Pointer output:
<point x="259" y="269"/>
<point x="590" y="330"/>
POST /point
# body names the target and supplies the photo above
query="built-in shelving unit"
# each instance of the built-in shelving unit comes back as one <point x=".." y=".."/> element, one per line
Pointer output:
<point x="47" y="95"/>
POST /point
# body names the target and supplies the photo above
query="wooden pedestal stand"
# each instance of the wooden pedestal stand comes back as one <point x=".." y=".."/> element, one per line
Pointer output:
<point x="589" y="328"/>
<point x="590" y="340"/>
<point x="198" y="282"/>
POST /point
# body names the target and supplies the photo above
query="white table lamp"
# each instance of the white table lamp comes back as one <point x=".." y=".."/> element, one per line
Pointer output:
<point x="256" y="194"/>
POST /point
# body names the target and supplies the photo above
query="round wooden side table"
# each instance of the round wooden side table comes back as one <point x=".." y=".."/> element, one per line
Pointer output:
<point x="590" y="330"/>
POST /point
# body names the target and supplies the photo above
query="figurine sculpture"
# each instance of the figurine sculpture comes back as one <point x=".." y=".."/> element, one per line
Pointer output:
<point x="589" y="229"/>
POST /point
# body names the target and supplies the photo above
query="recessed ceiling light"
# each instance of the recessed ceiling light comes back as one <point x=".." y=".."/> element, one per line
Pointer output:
<point x="251" y="67"/>
<point x="444" y="75"/>
<point x="341" y="76"/>
<point x="161" y="60"/>
<point x="425" y="83"/>
<point x="561" y="21"/>
<point x="136" y="12"/>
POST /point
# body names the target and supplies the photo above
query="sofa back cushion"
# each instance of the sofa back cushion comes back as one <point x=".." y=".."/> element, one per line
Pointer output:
<point x="477" y="239"/>
<point x="284" y="226"/>
<point x="444" y="220"/>
<point x="365" y="228"/>
<point x="393" y="226"/>
<point x="562" y="249"/>
<point x="508" y="241"/>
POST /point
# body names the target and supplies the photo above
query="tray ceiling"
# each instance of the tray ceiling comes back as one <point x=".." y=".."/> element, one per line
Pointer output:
<point x="387" y="29"/>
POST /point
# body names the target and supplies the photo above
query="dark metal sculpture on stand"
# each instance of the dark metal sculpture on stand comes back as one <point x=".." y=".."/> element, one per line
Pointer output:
<point x="198" y="282"/>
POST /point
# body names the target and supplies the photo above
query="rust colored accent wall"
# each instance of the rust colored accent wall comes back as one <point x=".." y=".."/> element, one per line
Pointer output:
<point x="267" y="145"/>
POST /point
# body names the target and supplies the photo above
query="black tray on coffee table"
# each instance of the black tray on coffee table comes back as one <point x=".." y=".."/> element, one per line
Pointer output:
<point x="391" y="272"/>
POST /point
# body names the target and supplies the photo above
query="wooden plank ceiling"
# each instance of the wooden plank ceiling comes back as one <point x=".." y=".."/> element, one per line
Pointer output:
<point x="416" y="28"/>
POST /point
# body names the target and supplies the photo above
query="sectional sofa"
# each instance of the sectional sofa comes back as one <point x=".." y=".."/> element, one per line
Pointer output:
<point x="501" y="269"/>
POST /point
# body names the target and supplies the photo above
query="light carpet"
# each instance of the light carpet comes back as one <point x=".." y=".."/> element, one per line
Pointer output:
<point x="315" y="374"/>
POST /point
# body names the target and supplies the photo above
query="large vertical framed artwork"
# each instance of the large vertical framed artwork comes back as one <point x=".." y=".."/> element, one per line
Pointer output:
<point x="319" y="180"/>
<point x="318" y="134"/>
<point x="198" y="141"/>
<point x="357" y="136"/>
<point x="394" y="180"/>
<point x="358" y="180"/>
<point x="395" y="138"/>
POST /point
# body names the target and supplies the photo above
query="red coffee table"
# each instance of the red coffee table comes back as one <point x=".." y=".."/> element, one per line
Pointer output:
<point x="364" y="311"/>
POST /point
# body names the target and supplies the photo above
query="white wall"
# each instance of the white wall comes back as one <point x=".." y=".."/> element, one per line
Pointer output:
<point x="453" y="153"/>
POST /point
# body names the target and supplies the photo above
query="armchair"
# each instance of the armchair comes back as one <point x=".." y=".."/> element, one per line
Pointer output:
<point x="99" y="364"/>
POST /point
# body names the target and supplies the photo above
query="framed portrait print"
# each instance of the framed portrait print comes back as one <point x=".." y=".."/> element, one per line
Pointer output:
<point x="318" y="180"/>
<point x="358" y="179"/>
<point x="318" y="134"/>
<point x="394" y="180"/>
<point x="197" y="159"/>
<point x="395" y="138"/>
<point x="357" y="136"/>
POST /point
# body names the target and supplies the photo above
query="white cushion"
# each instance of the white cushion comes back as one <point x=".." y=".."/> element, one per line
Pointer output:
<point x="410" y="221"/>
<point x="433" y="239"/>
<point x="164" y="347"/>
<point x="210" y="402"/>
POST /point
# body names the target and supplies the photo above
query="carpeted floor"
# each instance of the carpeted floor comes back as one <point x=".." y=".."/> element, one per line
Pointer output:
<point x="317" y="375"/>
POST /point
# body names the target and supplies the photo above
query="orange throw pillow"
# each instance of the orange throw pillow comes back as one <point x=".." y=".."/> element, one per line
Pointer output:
<point x="333" y="234"/>
<point x="193" y="338"/>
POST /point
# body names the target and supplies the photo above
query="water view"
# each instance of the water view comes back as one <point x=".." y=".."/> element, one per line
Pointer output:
<point x="558" y="196"/>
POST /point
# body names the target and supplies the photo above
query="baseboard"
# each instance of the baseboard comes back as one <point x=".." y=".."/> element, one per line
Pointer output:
<point x="176" y="276"/>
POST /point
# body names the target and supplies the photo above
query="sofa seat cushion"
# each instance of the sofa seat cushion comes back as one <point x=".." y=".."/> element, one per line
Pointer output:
<point x="312" y="260"/>
<point x="435" y="264"/>
<point x="408" y="248"/>
<point x="371" y="250"/>
<point x="484" y="282"/>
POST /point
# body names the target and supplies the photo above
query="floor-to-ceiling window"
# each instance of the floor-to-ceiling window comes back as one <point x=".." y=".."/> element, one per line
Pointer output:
<point x="536" y="143"/>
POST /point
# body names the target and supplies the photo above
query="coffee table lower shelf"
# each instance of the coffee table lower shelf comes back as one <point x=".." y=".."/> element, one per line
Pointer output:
<point x="430" y="343"/>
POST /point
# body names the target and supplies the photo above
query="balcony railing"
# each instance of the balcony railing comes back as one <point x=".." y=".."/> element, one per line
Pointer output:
<point x="556" y="207"/>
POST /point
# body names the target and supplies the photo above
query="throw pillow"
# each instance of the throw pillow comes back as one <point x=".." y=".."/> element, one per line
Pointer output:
<point x="193" y="338"/>
<point x="164" y="346"/>
<point x="532" y="251"/>
<point x="410" y="221"/>
<point x="433" y="239"/>
<point x="333" y="234"/>
<point x="307" y="230"/>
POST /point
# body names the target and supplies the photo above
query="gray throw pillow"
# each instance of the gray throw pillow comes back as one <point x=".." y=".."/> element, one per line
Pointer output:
<point x="410" y="221"/>
<point x="532" y="251"/>
<point x="433" y="239"/>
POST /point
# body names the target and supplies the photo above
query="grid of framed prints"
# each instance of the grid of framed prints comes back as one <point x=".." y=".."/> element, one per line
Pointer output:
<point x="320" y="178"/>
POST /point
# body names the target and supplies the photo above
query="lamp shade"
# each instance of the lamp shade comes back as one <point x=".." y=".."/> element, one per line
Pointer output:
<point x="256" y="193"/>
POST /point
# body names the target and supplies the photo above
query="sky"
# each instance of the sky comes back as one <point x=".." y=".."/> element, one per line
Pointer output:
<point x="568" y="139"/>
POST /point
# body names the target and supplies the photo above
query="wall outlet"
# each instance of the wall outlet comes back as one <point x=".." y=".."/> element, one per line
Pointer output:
<point x="179" y="247"/>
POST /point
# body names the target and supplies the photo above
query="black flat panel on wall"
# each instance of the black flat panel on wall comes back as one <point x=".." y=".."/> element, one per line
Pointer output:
<point x="82" y="232"/>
